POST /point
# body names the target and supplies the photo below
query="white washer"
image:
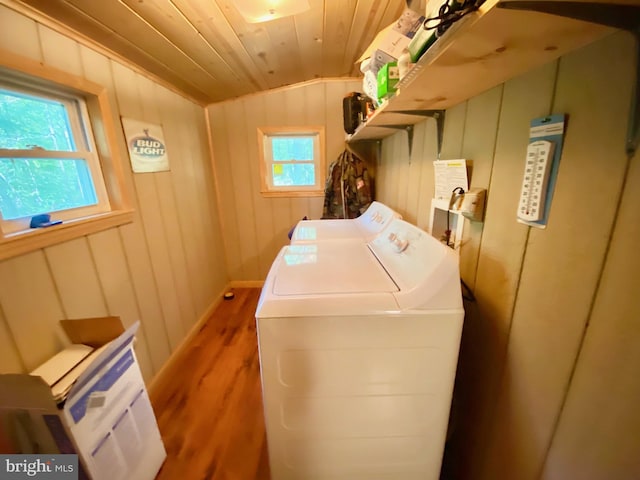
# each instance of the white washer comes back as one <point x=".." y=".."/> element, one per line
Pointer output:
<point x="358" y="352"/>
<point x="363" y="228"/>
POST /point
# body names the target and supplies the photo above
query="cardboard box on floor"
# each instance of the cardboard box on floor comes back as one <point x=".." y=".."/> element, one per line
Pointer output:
<point x="107" y="414"/>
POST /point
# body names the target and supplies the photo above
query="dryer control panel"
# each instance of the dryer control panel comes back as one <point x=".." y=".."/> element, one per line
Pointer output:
<point x="408" y="254"/>
<point x="400" y="243"/>
<point x="376" y="218"/>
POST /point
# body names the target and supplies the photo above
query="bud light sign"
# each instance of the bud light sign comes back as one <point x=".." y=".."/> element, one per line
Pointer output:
<point x="146" y="146"/>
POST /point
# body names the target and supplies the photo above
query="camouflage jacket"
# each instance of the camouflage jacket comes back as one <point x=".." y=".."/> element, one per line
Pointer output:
<point x="348" y="189"/>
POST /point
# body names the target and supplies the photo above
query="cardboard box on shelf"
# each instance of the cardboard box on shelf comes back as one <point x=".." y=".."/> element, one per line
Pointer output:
<point x="392" y="40"/>
<point x="388" y="78"/>
<point x="107" y="414"/>
<point x="421" y="41"/>
<point x="378" y="60"/>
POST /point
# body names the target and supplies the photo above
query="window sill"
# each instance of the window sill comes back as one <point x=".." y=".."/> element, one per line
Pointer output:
<point x="19" y="243"/>
<point x="293" y="193"/>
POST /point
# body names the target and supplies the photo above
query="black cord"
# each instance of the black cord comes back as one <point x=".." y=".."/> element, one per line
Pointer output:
<point x="470" y="297"/>
<point x="449" y="14"/>
<point x="447" y="232"/>
<point x="452" y="199"/>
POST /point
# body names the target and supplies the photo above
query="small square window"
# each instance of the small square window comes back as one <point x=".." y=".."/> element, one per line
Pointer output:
<point x="292" y="161"/>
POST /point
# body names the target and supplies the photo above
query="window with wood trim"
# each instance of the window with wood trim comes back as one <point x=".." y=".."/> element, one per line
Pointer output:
<point x="48" y="160"/>
<point x="292" y="161"/>
<point x="57" y="158"/>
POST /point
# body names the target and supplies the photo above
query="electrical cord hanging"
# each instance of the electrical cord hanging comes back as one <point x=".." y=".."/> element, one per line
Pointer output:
<point x="449" y="14"/>
<point x="455" y="193"/>
<point x="467" y="293"/>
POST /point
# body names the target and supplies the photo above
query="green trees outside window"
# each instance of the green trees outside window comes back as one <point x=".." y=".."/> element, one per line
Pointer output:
<point x="35" y="176"/>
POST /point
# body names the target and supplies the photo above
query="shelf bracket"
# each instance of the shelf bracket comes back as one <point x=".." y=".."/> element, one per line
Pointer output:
<point x="624" y="17"/>
<point x="409" y="130"/>
<point x="437" y="115"/>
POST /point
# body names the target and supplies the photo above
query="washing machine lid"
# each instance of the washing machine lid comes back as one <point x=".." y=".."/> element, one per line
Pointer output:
<point x="313" y="230"/>
<point x="329" y="268"/>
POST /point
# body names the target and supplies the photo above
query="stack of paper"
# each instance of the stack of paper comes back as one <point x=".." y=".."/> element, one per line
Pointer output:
<point x="62" y="370"/>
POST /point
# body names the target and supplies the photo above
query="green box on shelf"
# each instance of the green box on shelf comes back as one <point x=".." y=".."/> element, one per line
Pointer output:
<point x="421" y="41"/>
<point x="388" y="78"/>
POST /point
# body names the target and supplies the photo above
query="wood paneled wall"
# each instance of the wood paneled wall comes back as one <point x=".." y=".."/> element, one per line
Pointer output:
<point x="165" y="269"/>
<point x="256" y="227"/>
<point x="547" y="386"/>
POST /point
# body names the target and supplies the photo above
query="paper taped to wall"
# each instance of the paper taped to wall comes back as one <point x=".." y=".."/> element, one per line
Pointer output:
<point x="449" y="174"/>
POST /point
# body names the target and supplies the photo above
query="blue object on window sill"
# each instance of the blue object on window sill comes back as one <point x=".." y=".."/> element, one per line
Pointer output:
<point x="44" y="220"/>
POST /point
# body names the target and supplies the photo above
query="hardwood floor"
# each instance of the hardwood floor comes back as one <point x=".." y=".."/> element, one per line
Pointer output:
<point x="209" y="403"/>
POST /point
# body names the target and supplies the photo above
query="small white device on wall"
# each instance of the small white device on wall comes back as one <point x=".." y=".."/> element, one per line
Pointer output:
<point x="451" y="202"/>
<point x="472" y="206"/>
<point x="447" y="216"/>
<point x="446" y="224"/>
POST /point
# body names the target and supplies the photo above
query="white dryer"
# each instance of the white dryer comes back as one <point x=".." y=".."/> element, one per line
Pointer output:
<point x="363" y="228"/>
<point x="358" y="352"/>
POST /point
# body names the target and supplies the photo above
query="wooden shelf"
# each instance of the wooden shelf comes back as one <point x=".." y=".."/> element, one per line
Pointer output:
<point x="480" y="51"/>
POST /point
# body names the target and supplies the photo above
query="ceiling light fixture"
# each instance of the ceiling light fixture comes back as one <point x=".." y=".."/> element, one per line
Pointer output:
<point x="256" y="11"/>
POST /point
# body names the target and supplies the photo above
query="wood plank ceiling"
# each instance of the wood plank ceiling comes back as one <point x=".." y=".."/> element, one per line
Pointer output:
<point x="206" y="50"/>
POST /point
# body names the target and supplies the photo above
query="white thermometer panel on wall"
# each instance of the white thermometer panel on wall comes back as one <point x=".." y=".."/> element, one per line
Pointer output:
<point x="535" y="180"/>
<point x="546" y="135"/>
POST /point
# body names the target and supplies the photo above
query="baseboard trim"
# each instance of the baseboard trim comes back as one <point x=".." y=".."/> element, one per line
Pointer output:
<point x="187" y="339"/>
